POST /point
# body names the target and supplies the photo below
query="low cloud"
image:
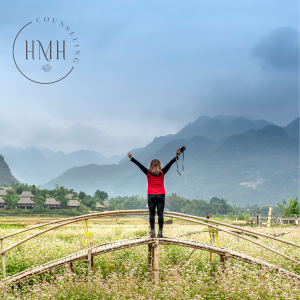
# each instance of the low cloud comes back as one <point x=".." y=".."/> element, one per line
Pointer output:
<point x="22" y="133"/>
<point x="279" y="49"/>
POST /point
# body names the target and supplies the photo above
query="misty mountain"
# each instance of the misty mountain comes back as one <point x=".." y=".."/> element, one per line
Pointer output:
<point x="293" y="129"/>
<point x="6" y="178"/>
<point x="111" y="174"/>
<point x="39" y="165"/>
<point x="256" y="167"/>
<point x="213" y="128"/>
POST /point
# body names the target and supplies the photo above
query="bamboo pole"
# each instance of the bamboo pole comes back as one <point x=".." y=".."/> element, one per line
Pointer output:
<point x="243" y="237"/>
<point x="156" y="262"/>
<point x="89" y="259"/>
<point x="222" y="259"/>
<point x="269" y="220"/>
<point x="70" y="267"/>
<point x="150" y="253"/>
<point x="227" y="259"/>
<point x="92" y="258"/>
<point x="3" y="259"/>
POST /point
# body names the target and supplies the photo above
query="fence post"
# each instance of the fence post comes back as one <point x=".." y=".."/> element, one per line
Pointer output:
<point x="222" y="259"/>
<point x="92" y="258"/>
<point x="150" y="253"/>
<point x="156" y="262"/>
<point x="89" y="259"/>
<point x="258" y="219"/>
<point x="269" y="220"/>
<point x="227" y="259"/>
<point x="3" y="259"/>
<point x="70" y="268"/>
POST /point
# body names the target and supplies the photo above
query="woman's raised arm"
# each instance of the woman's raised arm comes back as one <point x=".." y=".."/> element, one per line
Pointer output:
<point x="143" y="168"/>
<point x="166" y="168"/>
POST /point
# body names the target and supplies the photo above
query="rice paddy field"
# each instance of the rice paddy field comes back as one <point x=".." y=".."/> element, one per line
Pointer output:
<point x="184" y="273"/>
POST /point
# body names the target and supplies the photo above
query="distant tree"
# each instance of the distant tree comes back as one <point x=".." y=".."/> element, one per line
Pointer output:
<point x="11" y="199"/>
<point x="175" y="202"/>
<point x="19" y="190"/>
<point x="82" y="195"/>
<point x="63" y="201"/>
<point x="215" y="200"/>
<point x="101" y="195"/>
<point x="82" y="208"/>
<point x="39" y="204"/>
<point x="290" y="208"/>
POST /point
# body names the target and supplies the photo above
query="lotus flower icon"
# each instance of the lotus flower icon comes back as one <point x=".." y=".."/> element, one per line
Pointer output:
<point x="46" y="68"/>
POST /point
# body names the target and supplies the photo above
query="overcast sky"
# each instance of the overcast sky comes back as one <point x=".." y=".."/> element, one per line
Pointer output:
<point x="147" y="68"/>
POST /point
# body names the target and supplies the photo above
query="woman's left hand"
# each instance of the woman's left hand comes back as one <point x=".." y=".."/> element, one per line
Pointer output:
<point x="178" y="152"/>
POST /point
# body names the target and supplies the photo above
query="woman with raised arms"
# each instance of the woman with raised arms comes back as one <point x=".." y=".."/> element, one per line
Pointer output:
<point x="156" y="190"/>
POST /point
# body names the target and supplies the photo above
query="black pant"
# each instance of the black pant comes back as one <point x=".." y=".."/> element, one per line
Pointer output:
<point x="156" y="200"/>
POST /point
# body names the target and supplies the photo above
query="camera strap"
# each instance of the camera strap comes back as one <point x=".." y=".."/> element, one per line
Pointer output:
<point x="182" y="163"/>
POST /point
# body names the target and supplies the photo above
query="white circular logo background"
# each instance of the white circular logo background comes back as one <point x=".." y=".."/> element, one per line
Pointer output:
<point x="46" y="50"/>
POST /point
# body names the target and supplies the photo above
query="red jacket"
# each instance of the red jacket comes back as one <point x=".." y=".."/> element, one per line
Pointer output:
<point x="155" y="182"/>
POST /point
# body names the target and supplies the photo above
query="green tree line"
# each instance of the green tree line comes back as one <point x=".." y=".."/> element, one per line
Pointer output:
<point x="87" y="202"/>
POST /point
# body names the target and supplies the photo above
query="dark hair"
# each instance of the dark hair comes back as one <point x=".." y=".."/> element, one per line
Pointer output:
<point x="155" y="167"/>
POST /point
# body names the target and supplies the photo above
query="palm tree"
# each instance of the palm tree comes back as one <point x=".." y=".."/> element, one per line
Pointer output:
<point x="290" y="208"/>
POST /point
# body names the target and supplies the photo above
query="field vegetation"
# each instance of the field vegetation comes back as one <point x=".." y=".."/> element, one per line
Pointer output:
<point x="124" y="275"/>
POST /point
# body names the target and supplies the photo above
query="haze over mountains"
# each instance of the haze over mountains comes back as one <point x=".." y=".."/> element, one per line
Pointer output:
<point x="39" y="165"/>
<point x="246" y="162"/>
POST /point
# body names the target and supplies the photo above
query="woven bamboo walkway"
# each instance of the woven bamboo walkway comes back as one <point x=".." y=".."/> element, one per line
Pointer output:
<point x="128" y="243"/>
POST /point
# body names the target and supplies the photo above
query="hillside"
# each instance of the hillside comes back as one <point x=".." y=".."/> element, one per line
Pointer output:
<point x="267" y="159"/>
<point x="6" y="178"/>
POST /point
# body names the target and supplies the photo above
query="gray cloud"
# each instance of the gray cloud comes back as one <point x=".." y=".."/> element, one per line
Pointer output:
<point x="24" y="132"/>
<point x="148" y="68"/>
<point x="279" y="49"/>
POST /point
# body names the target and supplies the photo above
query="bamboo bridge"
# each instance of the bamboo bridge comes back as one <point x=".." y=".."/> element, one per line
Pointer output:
<point x="153" y="246"/>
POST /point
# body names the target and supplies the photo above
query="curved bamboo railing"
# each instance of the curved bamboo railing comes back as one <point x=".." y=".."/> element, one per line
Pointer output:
<point x="124" y="244"/>
<point x="185" y="217"/>
<point x="145" y="212"/>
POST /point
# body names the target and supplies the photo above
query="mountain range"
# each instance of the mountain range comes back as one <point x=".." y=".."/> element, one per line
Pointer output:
<point x="244" y="161"/>
<point x="39" y="165"/>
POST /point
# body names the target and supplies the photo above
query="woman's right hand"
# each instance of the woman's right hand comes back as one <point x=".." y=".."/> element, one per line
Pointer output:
<point x="178" y="152"/>
<point x="129" y="155"/>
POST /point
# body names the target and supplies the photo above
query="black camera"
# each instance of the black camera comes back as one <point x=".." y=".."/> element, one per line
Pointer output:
<point x="182" y="148"/>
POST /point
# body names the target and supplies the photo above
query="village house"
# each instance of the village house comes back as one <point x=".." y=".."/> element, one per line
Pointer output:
<point x="25" y="203"/>
<point x="73" y="203"/>
<point x="3" y="193"/>
<point x="52" y="203"/>
<point x="69" y="196"/>
<point x="2" y="203"/>
<point x="6" y="188"/>
<point x="101" y="207"/>
<point x="27" y="194"/>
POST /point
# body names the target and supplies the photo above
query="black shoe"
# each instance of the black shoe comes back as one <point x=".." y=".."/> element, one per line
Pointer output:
<point x="159" y="235"/>
<point x="153" y="236"/>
